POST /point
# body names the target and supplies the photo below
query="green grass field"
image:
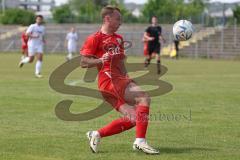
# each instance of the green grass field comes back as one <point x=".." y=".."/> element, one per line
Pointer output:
<point x="208" y="89"/>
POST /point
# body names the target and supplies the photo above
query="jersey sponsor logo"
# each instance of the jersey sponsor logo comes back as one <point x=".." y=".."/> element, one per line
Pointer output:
<point x="111" y="48"/>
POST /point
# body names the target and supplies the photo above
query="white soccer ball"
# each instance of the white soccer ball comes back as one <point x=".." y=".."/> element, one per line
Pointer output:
<point x="182" y="30"/>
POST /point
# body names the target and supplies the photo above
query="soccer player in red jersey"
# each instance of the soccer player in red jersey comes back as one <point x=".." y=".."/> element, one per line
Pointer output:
<point x="24" y="40"/>
<point x="145" y="47"/>
<point x="105" y="50"/>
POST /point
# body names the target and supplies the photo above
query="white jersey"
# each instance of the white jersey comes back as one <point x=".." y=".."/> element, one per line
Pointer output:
<point x="72" y="39"/>
<point x="36" y="30"/>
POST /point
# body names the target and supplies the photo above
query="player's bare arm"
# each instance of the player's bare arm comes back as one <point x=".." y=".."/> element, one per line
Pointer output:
<point x="162" y="39"/>
<point x="148" y="37"/>
<point x="89" y="62"/>
<point x="65" y="43"/>
<point x="44" y="40"/>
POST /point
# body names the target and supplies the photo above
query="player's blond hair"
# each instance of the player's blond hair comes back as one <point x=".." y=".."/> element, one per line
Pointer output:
<point x="108" y="10"/>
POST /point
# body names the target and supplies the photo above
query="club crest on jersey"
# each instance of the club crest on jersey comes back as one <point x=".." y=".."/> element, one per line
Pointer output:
<point x="119" y="40"/>
<point x="108" y="40"/>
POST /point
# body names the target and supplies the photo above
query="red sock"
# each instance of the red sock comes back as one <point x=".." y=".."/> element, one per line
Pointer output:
<point x="116" y="126"/>
<point x="141" y="121"/>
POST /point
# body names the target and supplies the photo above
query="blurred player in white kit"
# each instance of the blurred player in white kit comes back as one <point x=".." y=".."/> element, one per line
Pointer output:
<point x="36" y="42"/>
<point x="71" y="39"/>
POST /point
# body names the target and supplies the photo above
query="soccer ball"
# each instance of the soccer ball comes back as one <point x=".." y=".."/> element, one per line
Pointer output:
<point x="182" y="30"/>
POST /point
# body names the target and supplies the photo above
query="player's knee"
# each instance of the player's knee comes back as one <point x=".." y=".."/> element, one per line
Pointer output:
<point x="144" y="99"/>
<point x="31" y="59"/>
<point x="147" y="99"/>
<point x="132" y="119"/>
<point x="40" y="59"/>
<point x="131" y="116"/>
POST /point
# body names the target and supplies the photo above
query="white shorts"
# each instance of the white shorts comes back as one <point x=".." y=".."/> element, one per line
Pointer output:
<point x="72" y="48"/>
<point x="33" y="49"/>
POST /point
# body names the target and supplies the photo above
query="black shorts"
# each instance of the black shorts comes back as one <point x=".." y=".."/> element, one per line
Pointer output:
<point x="154" y="48"/>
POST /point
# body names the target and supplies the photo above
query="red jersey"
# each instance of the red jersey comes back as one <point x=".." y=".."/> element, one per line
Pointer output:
<point x="112" y="80"/>
<point x="24" y="39"/>
<point x="98" y="44"/>
<point x="145" y="46"/>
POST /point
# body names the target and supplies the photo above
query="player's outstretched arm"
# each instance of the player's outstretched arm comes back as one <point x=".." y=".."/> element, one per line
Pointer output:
<point x="44" y="40"/>
<point x="148" y="38"/>
<point x="162" y="39"/>
<point x="89" y="62"/>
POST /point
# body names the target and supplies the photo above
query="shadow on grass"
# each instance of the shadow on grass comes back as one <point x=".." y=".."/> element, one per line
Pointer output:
<point x="168" y="150"/>
<point x="163" y="150"/>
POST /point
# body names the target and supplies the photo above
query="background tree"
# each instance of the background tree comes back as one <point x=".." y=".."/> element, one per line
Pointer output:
<point x="63" y="14"/>
<point x="87" y="11"/>
<point x="126" y="14"/>
<point x="17" y="16"/>
<point x="236" y="13"/>
<point x="169" y="11"/>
